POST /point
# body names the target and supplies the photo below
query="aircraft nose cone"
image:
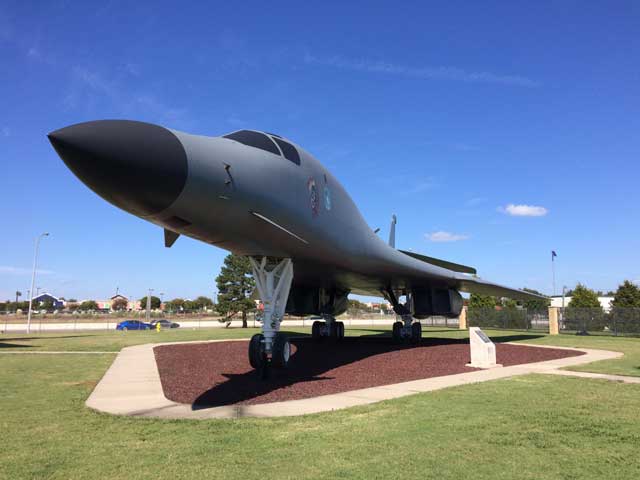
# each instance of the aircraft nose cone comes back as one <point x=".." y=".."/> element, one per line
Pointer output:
<point x="139" y="167"/>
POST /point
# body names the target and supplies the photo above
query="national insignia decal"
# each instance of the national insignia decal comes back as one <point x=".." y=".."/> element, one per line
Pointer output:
<point x="313" y="196"/>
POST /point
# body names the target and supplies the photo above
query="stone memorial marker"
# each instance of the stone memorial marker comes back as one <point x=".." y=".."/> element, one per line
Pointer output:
<point x="483" y="350"/>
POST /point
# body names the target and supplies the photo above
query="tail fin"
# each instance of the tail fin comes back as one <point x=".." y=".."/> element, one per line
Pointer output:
<point x="392" y="232"/>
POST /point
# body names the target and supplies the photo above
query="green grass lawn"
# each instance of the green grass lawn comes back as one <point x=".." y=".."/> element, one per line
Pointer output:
<point x="533" y="426"/>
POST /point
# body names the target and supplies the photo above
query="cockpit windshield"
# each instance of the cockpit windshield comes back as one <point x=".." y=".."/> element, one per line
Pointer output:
<point x="254" y="139"/>
<point x="265" y="142"/>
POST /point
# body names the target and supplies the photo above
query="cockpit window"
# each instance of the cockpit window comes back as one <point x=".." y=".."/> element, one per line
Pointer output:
<point x="290" y="152"/>
<point x="254" y="139"/>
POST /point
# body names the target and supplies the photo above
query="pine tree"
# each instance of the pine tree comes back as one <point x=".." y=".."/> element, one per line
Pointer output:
<point x="627" y="296"/>
<point x="235" y="285"/>
<point x="583" y="297"/>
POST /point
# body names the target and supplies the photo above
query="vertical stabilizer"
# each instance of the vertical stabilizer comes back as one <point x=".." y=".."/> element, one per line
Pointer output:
<point x="392" y="232"/>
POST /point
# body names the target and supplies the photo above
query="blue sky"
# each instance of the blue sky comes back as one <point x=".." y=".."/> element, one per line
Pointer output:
<point x="455" y="116"/>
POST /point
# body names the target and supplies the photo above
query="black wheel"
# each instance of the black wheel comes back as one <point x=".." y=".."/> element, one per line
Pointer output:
<point x="416" y="332"/>
<point x="281" y="351"/>
<point x="256" y="351"/>
<point x="334" y="330"/>
<point x="395" y="332"/>
<point x="315" y="330"/>
<point x="339" y="330"/>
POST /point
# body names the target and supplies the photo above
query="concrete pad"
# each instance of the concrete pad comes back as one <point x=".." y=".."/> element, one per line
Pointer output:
<point x="132" y="387"/>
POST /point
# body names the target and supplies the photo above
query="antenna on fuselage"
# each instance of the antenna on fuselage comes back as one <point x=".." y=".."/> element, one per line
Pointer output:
<point x="392" y="231"/>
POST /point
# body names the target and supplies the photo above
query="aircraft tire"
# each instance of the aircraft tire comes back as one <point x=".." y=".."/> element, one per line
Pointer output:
<point x="416" y="332"/>
<point x="256" y="351"/>
<point x="281" y="351"/>
<point x="339" y="330"/>
<point x="395" y="332"/>
<point x="315" y="330"/>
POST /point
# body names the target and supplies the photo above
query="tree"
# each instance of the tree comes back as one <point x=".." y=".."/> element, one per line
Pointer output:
<point x="119" y="305"/>
<point x="88" y="305"/>
<point x="203" y="302"/>
<point x="481" y="301"/>
<point x="535" y="305"/>
<point x="508" y="303"/>
<point x="155" y="303"/>
<point x="189" y="305"/>
<point x="584" y="298"/>
<point x="627" y="296"/>
<point x="47" y="305"/>
<point x="235" y="285"/>
<point x="175" y="305"/>
<point x="72" y="306"/>
<point x="356" y="306"/>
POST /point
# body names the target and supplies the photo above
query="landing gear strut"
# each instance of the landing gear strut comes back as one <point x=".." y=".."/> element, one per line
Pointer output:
<point x="273" y="283"/>
<point x="330" y="328"/>
<point x="406" y="330"/>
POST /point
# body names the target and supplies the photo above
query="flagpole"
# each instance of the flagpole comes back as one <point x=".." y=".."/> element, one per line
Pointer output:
<point x="553" y="272"/>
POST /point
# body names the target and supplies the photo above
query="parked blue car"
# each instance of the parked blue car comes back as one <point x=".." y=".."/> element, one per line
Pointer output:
<point x="133" y="325"/>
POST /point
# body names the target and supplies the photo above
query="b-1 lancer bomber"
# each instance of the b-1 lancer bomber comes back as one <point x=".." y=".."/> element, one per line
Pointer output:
<point x="261" y="195"/>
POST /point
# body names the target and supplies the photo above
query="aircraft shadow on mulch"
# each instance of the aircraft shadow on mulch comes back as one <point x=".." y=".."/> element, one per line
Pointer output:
<point x="311" y="360"/>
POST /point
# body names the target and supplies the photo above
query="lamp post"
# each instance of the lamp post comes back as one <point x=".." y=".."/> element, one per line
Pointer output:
<point x="33" y="278"/>
<point x="148" y="313"/>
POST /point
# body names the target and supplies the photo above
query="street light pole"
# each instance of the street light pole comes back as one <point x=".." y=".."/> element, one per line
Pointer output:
<point x="148" y="313"/>
<point x="33" y="278"/>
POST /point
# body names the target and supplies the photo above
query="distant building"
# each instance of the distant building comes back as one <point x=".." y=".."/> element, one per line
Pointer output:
<point x="605" y="302"/>
<point x="383" y="307"/>
<point x="107" y="305"/>
<point x="47" y="297"/>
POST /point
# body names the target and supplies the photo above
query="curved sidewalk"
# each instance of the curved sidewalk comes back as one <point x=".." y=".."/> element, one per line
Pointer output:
<point x="132" y="387"/>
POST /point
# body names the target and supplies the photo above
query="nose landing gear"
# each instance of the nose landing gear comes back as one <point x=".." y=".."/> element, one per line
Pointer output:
<point x="271" y="348"/>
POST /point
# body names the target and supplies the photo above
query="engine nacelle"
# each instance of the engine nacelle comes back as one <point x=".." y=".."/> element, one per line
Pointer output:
<point x="316" y="301"/>
<point x="436" y="301"/>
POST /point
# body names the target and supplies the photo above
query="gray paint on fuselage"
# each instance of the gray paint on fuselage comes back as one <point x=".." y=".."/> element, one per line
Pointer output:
<point x="228" y="180"/>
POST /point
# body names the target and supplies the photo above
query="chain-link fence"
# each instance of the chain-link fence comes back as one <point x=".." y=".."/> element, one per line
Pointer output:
<point x="595" y="321"/>
<point x="509" y="318"/>
<point x="439" y="321"/>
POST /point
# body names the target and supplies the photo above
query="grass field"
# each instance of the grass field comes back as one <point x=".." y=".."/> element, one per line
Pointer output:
<point x="533" y="426"/>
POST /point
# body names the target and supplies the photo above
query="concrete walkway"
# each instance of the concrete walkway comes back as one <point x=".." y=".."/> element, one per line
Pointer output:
<point x="132" y="386"/>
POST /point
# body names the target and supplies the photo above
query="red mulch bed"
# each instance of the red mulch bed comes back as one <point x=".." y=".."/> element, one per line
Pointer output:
<point x="214" y="374"/>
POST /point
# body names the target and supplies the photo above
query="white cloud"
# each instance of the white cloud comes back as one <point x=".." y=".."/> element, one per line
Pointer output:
<point x="523" y="210"/>
<point x="442" y="236"/>
<point x="429" y="72"/>
<point x="22" y="271"/>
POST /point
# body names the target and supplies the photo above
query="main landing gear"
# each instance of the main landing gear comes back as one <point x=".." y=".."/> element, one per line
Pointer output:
<point x="407" y="330"/>
<point x="273" y="283"/>
<point x="330" y="328"/>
